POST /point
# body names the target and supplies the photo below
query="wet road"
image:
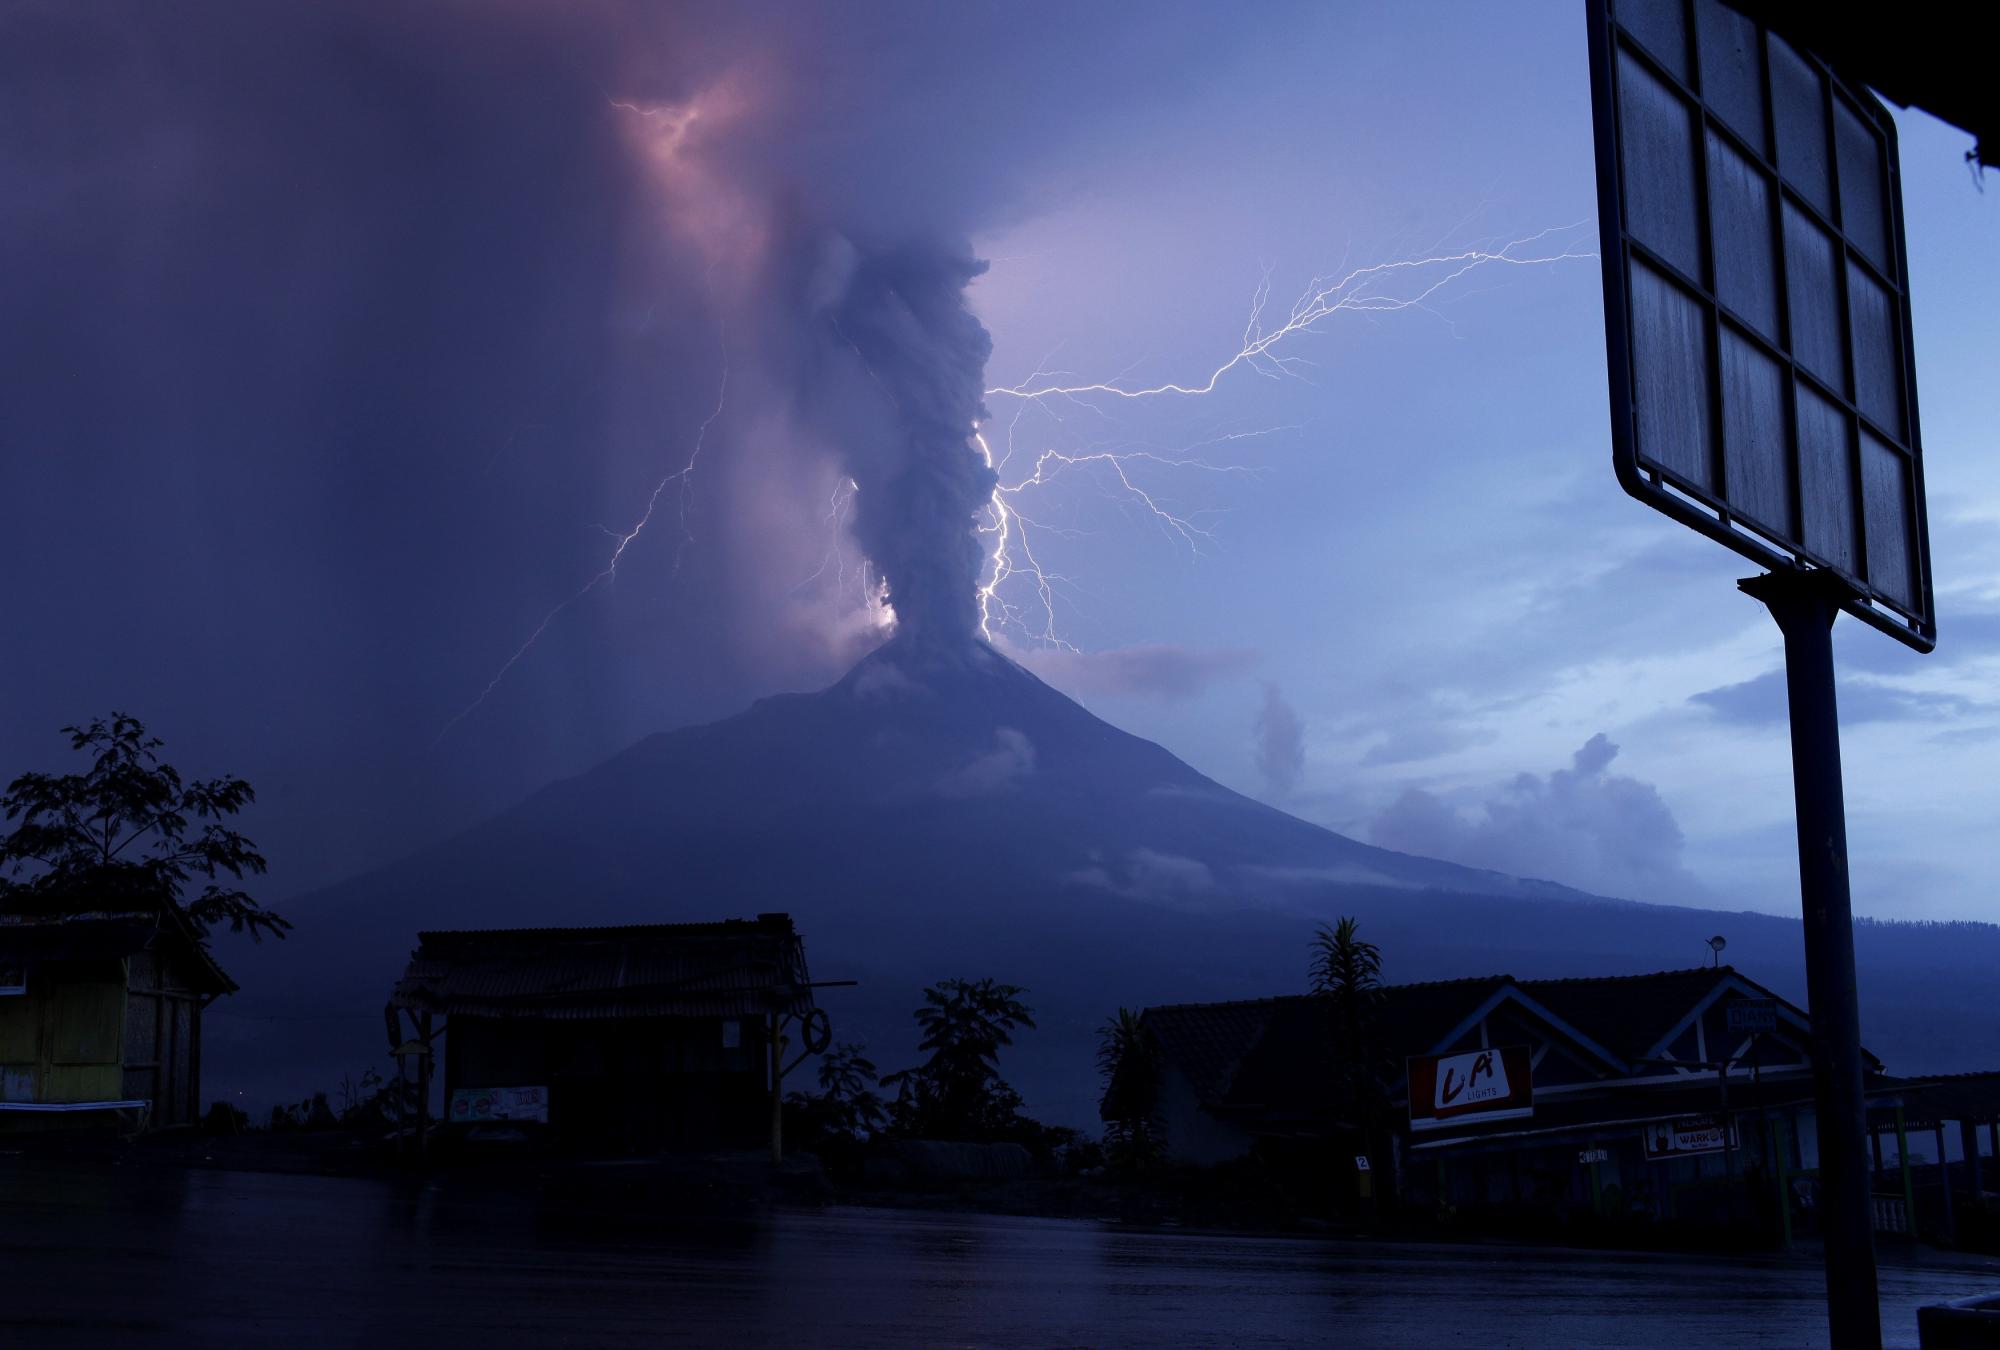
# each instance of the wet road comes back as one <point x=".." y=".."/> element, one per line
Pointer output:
<point x="131" y="1256"/>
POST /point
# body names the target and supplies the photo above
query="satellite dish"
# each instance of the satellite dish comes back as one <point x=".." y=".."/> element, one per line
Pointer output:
<point x="1715" y="946"/>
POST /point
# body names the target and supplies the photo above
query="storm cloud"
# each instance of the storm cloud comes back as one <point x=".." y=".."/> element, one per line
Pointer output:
<point x="1583" y="826"/>
<point x="370" y="336"/>
<point x="1763" y="702"/>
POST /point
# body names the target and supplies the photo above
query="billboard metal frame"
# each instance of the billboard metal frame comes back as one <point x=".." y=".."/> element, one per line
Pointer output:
<point x="1775" y="545"/>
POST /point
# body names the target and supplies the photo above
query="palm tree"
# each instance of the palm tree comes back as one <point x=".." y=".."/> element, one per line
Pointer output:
<point x="1129" y="1063"/>
<point x="1347" y="972"/>
<point x="1346" y="975"/>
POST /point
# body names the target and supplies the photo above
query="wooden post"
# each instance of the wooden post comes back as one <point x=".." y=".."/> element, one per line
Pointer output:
<point x="1944" y="1181"/>
<point x="1968" y="1144"/>
<point x="777" y="1090"/>
<point x="403" y="1101"/>
<point x="424" y="1062"/>
<point x="1781" y="1151"/>
<point x="1903" y="1162"/>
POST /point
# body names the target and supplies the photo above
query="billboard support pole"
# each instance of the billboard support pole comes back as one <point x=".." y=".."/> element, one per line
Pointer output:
<point x="1805" y="604"/>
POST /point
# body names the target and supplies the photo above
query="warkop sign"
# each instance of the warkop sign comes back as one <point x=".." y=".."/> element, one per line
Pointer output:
<point x="1471" y="1088"/>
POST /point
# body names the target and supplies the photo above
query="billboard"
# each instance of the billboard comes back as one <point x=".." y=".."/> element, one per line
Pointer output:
<point x="1471" y="1088"/>
<point x="476" y="1106"/>
<point x="1683" y="1138"/>
<point x="1756" y="301"/>
<point x="1752" y="1015"/>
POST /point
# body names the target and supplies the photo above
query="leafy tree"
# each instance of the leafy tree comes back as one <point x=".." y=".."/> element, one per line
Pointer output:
<point x="845" y="1107"/>
<point x="958" y="1093"/>
<point x="1129" y="1064"/>
<point x="130" y="830"/>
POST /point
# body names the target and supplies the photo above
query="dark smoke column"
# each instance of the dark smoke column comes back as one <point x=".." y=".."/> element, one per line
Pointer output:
<point x="898" y="386"/>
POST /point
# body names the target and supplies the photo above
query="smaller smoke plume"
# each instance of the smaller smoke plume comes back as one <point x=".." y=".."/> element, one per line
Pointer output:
<point x="1281" y="742"/>
<point x="1582" y="825"/>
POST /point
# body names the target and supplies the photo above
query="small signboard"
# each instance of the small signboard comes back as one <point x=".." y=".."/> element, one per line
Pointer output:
<point x="1685" y="1138"/>
<point x="475" y="1106"/>
<point x="1757" y="301"/>
<point x="1587" y="1156"/>
<point x="1752" y="1016"/>
<point x="1471" y="1088"/>
<point x="1361" y="1162"/>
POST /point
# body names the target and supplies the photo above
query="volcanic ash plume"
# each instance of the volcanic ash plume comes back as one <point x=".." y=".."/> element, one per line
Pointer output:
<point x="895" y="368"/>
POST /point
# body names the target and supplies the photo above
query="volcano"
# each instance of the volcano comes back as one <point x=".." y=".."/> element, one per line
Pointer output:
<point x="940" y="812"/>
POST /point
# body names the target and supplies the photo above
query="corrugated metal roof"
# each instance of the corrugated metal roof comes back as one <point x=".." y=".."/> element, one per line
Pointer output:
<point x="1940" y="1097"/>
<point x="738" y="968"/>
<point x="100" y="935"/>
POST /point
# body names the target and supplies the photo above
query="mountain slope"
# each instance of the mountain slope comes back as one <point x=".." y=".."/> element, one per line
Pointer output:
<point x="941" y="812"/>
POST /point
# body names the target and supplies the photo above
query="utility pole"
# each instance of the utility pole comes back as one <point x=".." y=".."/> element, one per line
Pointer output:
<point x="778" y="1043"/>
<point x="1804" y="604"/>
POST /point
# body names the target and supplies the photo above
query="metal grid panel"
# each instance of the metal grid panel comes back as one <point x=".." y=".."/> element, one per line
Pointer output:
<point x="1757" y="313"/>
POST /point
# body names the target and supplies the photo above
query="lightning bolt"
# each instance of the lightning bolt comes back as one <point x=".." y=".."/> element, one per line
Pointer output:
<point x="679" y="478"/>
<point x="1264" y="349"/>
<point x="1321" y="300"/>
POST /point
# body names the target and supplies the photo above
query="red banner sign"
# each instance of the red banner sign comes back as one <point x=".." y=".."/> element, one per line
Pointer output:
<point x="1472" y="1087"/>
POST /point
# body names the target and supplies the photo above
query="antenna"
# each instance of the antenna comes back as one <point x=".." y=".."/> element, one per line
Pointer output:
<point x="1715" y="946"/>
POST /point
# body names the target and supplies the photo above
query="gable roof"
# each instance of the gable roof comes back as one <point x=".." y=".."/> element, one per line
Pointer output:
<point x="735" y="968"/>
<point x="1629" y="1014"/>
<point x="1248" y="1050"/>
<point x="1272" y="1055"/>
<point x="1207" y="1041"/>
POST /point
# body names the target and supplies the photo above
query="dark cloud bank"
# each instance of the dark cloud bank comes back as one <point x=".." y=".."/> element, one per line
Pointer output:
<point x="339" y="337"/>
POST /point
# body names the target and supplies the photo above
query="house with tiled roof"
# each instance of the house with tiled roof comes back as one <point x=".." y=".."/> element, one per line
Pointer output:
<point x="1635" y="1087"/>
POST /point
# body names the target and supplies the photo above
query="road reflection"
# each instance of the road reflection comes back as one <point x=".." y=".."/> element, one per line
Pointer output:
<point x="164" y="1256"/>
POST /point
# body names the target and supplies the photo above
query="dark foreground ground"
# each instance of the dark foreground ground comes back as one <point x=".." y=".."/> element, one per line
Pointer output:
<point x="100" y="1254"/>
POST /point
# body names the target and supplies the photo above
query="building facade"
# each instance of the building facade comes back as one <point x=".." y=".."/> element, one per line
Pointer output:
<point x="100" y="1019"/>
<point x="612" y="1041"/>
<point x="1670" y="1096"/>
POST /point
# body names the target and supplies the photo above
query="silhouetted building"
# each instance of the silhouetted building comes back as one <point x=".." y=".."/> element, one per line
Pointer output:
<point x="626" y="1040"/>
<point x="100" y="1019"/>
<point x="1602" y="1096"/>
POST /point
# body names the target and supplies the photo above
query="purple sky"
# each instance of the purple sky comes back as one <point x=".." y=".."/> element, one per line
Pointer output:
<point x="346" y="348"/>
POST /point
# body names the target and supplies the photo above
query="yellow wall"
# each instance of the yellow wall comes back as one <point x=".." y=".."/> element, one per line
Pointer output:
<point x="64" y="1040"/>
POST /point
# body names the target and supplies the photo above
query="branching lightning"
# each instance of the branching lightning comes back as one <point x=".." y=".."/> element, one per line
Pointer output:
<point x="1265" y="349"/>
<point x="679" y="479"/>
<point x="1080" y="428"/>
